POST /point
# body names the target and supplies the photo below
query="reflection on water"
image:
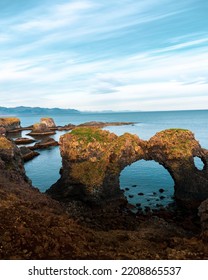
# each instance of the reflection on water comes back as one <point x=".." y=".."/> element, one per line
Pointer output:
<point x="147" y="183"/>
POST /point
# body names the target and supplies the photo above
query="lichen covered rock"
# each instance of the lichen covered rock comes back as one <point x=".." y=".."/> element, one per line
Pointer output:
<point x="93" y="160"/>
<point x="40" y="129"/>
<point x="49" y="122"/>
<point x="10" y="123"/>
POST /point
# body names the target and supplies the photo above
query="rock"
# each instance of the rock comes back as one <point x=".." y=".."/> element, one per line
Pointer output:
<point x="2" y="130"/>
<point x="161" y="190"/>
<point x="45" y="143"/>
<point x="11" y="161"/>
<point x="93" y="160"/>
<point x="140" y="193"/>
<point x="66" y="127"/>
<point x="27" y="154"/>
<point x="10" y="123"/>
<point x="23" y="141"/>
<point x="40" y="129"/>
<point x="104" y="124"/>
<point x="203" y="213"/>
<point x="49" y="122"/>
<point x="162" y="197"/>
<point x="131" y="195"/>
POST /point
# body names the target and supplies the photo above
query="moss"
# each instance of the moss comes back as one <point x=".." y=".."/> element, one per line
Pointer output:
<point x="89" y="173"/>
<point x="90" y="134"/>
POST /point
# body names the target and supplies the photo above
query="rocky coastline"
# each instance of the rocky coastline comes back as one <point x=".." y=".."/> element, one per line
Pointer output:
<point x="86" y="216"/>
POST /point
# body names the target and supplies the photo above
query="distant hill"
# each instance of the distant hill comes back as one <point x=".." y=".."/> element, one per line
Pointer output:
<point x="21" y="110"/>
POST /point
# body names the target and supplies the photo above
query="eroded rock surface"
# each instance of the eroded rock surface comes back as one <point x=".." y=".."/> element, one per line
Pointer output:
<point x="34" y="226"/>
<point x="49" y="122"/>
<point x="40" y="129"/>
<point x="93" y="160"/>
<point x="10" y="123"/>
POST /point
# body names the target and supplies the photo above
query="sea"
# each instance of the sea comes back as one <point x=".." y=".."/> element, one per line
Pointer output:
<point x="146" y="184"/>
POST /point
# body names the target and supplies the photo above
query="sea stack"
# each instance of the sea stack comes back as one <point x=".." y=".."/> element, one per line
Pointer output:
<point x="9" y="124"/>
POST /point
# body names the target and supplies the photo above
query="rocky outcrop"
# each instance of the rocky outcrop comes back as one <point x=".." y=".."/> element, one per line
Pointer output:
<point x="203" y="213"/>
<point x="104" y="124"/>
<point x="10" y="124"/>
<point x="23" y="141"/>
<point x="45" y="143"/>
<point x="40" y="129"/>
<point x="27" y="154"/>
<point x="11" y="163"/>
<point x="93" y="160"/>
<point x="34" y="226"/>
<point x="49" y="122"/>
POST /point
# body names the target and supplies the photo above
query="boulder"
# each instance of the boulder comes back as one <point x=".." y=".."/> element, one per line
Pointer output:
<point x="10" y="123"/>
<point x="40" y="129"/>
<point x="2" y="130"/>
<point x="49" y="122"/>
<point x="27" y="154"/>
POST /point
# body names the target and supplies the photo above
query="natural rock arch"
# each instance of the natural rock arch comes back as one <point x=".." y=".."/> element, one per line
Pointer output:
<point x="93" y="159"/>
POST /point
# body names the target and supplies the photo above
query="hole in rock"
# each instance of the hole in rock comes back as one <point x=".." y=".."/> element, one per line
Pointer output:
<point x="143" y="182"/>
<point x="198" y="163"/>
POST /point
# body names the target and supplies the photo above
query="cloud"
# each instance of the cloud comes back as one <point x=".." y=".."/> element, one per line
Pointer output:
<point x="112" y="55"/>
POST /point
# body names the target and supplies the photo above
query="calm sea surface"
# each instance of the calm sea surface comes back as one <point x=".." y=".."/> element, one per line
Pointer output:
<point x="142" y="180"/>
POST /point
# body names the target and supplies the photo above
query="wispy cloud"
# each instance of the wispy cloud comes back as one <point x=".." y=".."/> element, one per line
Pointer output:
<point x="95" y="55"/>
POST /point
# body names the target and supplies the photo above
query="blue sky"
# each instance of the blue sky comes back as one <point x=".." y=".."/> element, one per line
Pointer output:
<point x="104" y="55"/>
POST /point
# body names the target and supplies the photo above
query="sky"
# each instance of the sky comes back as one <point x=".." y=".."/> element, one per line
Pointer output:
<point x="93" y="55"/>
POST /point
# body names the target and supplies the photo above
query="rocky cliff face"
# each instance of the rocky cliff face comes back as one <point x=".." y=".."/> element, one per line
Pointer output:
<point x="93" y="160"/>
<point x="11" y="164"/>
<point x="10" y="123"/>
<point x="34" y="226"/>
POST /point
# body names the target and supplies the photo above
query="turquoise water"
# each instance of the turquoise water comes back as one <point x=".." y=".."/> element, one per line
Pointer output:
<point x="142" y="180"/>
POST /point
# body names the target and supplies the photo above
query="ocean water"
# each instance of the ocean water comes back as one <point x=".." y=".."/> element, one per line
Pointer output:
<point x="144" y="182"/>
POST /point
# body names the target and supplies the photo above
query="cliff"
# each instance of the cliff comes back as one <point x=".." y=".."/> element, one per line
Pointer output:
<point x="93" y="160"/>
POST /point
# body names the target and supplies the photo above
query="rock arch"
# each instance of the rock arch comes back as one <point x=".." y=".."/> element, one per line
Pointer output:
<point x="93" y="159"/>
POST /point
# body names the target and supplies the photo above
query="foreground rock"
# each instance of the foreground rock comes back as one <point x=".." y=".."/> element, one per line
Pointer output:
<point x="40" y="129"/>
<point x="93" y="160"/>
<point x="33" y="226"/>
<point x="203" y="213"/>
<point x="10" y="124"/>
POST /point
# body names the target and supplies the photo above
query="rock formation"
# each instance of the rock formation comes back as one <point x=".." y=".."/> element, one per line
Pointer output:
<point x="93" y="160"/>
<point x="45" y="143"/>
<point x="27" y="154"/>
<point x="10" y="124"/>
<point x="11" y="164"/>
<point x="49" y="122"/>
<point x="40" y="129"/>
<point x="34" y="226"/>
<point x="203" y="213"/>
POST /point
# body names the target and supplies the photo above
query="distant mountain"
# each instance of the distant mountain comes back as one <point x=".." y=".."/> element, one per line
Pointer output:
<point x="21" y="110"/>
